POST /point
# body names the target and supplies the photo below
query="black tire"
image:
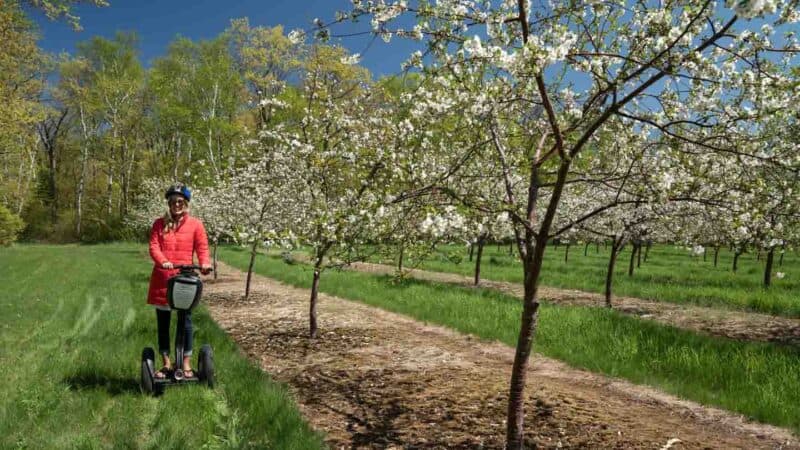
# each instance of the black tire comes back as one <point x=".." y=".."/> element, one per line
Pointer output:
<point x="205" y="365"/>
<point x="148" y="373"/>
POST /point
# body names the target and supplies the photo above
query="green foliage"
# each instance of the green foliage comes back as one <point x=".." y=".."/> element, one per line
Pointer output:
<point x="197" y="94"/>
<point x="455" y="257"/>
<point x="70" y="363"/>
<point x="10" y="226"/>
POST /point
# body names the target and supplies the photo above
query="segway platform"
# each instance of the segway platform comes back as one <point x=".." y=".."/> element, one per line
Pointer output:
<point x="184" y="291"/>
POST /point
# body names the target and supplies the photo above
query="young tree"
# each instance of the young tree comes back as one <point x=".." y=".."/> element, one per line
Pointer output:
<point x="22" y="71"/>
<point x="265" y="59"/>
<point x="116" y="78"/>
<point x="337" y="150"/>
<point x="74" y="92"/>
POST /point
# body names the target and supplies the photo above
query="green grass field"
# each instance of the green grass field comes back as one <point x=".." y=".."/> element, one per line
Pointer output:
<point x="670" y="274"/>
<point x="74" y="322"/>
<point x="755" y="379"/>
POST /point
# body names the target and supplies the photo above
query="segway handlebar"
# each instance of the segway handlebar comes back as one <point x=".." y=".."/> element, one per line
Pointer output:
<point x="189" y="267"/>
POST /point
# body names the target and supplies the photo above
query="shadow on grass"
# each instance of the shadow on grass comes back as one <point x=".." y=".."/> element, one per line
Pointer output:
<point x="112" y="384"/>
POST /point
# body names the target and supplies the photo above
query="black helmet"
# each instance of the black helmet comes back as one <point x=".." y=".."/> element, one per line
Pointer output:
<point x="180" y="190"/>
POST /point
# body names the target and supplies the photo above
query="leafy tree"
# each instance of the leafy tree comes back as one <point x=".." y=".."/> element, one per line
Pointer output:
<point x="116" y="80"/>
<point x="266" y="59"/>
<point x="22" y="69"/>
<point x="10" y="226"/>
<point x="198" y="93"/>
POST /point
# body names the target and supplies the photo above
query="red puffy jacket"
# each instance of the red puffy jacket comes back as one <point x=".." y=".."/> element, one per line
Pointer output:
<point x="177" y="246"/>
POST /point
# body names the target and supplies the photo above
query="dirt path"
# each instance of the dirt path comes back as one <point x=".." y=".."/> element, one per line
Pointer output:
<point x="375" y="379"/>
<point x="739" y="325"/>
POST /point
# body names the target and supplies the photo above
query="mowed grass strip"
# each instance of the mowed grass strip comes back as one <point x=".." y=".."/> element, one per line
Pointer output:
<point x="755" y="379"/>
<point x="74" y="322"/>
<point x="670" y="274"/>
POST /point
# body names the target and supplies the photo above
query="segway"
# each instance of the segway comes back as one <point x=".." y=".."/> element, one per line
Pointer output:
<point x="183" y="294"/>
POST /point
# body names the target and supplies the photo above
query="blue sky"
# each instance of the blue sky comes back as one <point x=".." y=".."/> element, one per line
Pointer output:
<point x="158" y="22"/>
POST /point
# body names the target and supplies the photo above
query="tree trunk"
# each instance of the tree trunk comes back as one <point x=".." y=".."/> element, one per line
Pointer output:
<point x="79" y="196"/>
<point x="253" y="252"/>
<point x="566" y="253"/>
<point x="597" y="247"/>
<point x="124" y="176"/>
<point x="612" y="261"/>
<point x="639" y="255"/>
<point x="768" y="268"/>
<point x="214" y="260"/>
<point x="209" y="139"/>
<point x="716" y="255"/>
<point x="634" y="250"/>
<point x="20" y="178"/>
<point x="519" y="370"/>
<point x="51" y="184"/>
<point x="783" y="251"/>
<point x="471" y="250"/>
<point x="533" y="258"/>
<point x="31" y="177"/>
<point x="131" y="162"/>
<point x="400" y="258"/>
<point x="177" y="159"/>
<point x="109" y="193"/>
<point x="586" y="250"/>
<point x="736" y="256"/>
<point x="705" y="252"/>
<point x="312" y="312"/>
<point x="82" y="176"/>
<point x="481" y="243"/>
<point x="647" y="250"/>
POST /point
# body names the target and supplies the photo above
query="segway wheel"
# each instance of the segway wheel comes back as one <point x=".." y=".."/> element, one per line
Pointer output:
<point x="205" y="364"/>
<point x="148" y="374"/>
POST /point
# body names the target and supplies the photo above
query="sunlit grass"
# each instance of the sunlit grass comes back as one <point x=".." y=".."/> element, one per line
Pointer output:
<point x="670" y="274"/>
<point x="755" y="379"/>
<point x="74" y="322"/>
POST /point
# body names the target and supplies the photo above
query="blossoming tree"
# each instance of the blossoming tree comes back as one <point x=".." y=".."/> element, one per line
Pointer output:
<point x="559" y="74"/>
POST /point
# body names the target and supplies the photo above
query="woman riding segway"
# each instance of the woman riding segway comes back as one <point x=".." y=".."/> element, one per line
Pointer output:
<point x="174" y="238"/>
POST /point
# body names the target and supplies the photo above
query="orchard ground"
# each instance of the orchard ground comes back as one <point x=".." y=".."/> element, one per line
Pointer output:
<point x="377" y="378"/>
<point x="710" y="370"/>
<point x="374" y="378"/>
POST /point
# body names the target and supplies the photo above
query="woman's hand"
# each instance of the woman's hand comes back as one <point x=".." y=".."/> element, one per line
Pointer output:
<point x="205" y="269"/>
<point x="167" y="265"/>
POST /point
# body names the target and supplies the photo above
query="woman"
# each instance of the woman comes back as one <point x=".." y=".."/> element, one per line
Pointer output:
<point x="173" y="240"/>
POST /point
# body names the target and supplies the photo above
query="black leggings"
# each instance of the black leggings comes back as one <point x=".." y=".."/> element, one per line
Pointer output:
<point x="163" y="318"/>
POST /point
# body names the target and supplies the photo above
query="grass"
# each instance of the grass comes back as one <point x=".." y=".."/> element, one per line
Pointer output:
<point x="756" y="379"/>
<point x="670" y="274"/>
<point x="74" y="322"/>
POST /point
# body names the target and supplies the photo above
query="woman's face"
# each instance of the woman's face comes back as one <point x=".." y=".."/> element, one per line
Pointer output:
<point x="177" y="205"/>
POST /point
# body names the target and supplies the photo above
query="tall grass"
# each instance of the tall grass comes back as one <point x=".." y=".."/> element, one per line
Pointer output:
<point x="755" y="379"/>
<point x="74" y="322"/>
<point x="670" y="274"/>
